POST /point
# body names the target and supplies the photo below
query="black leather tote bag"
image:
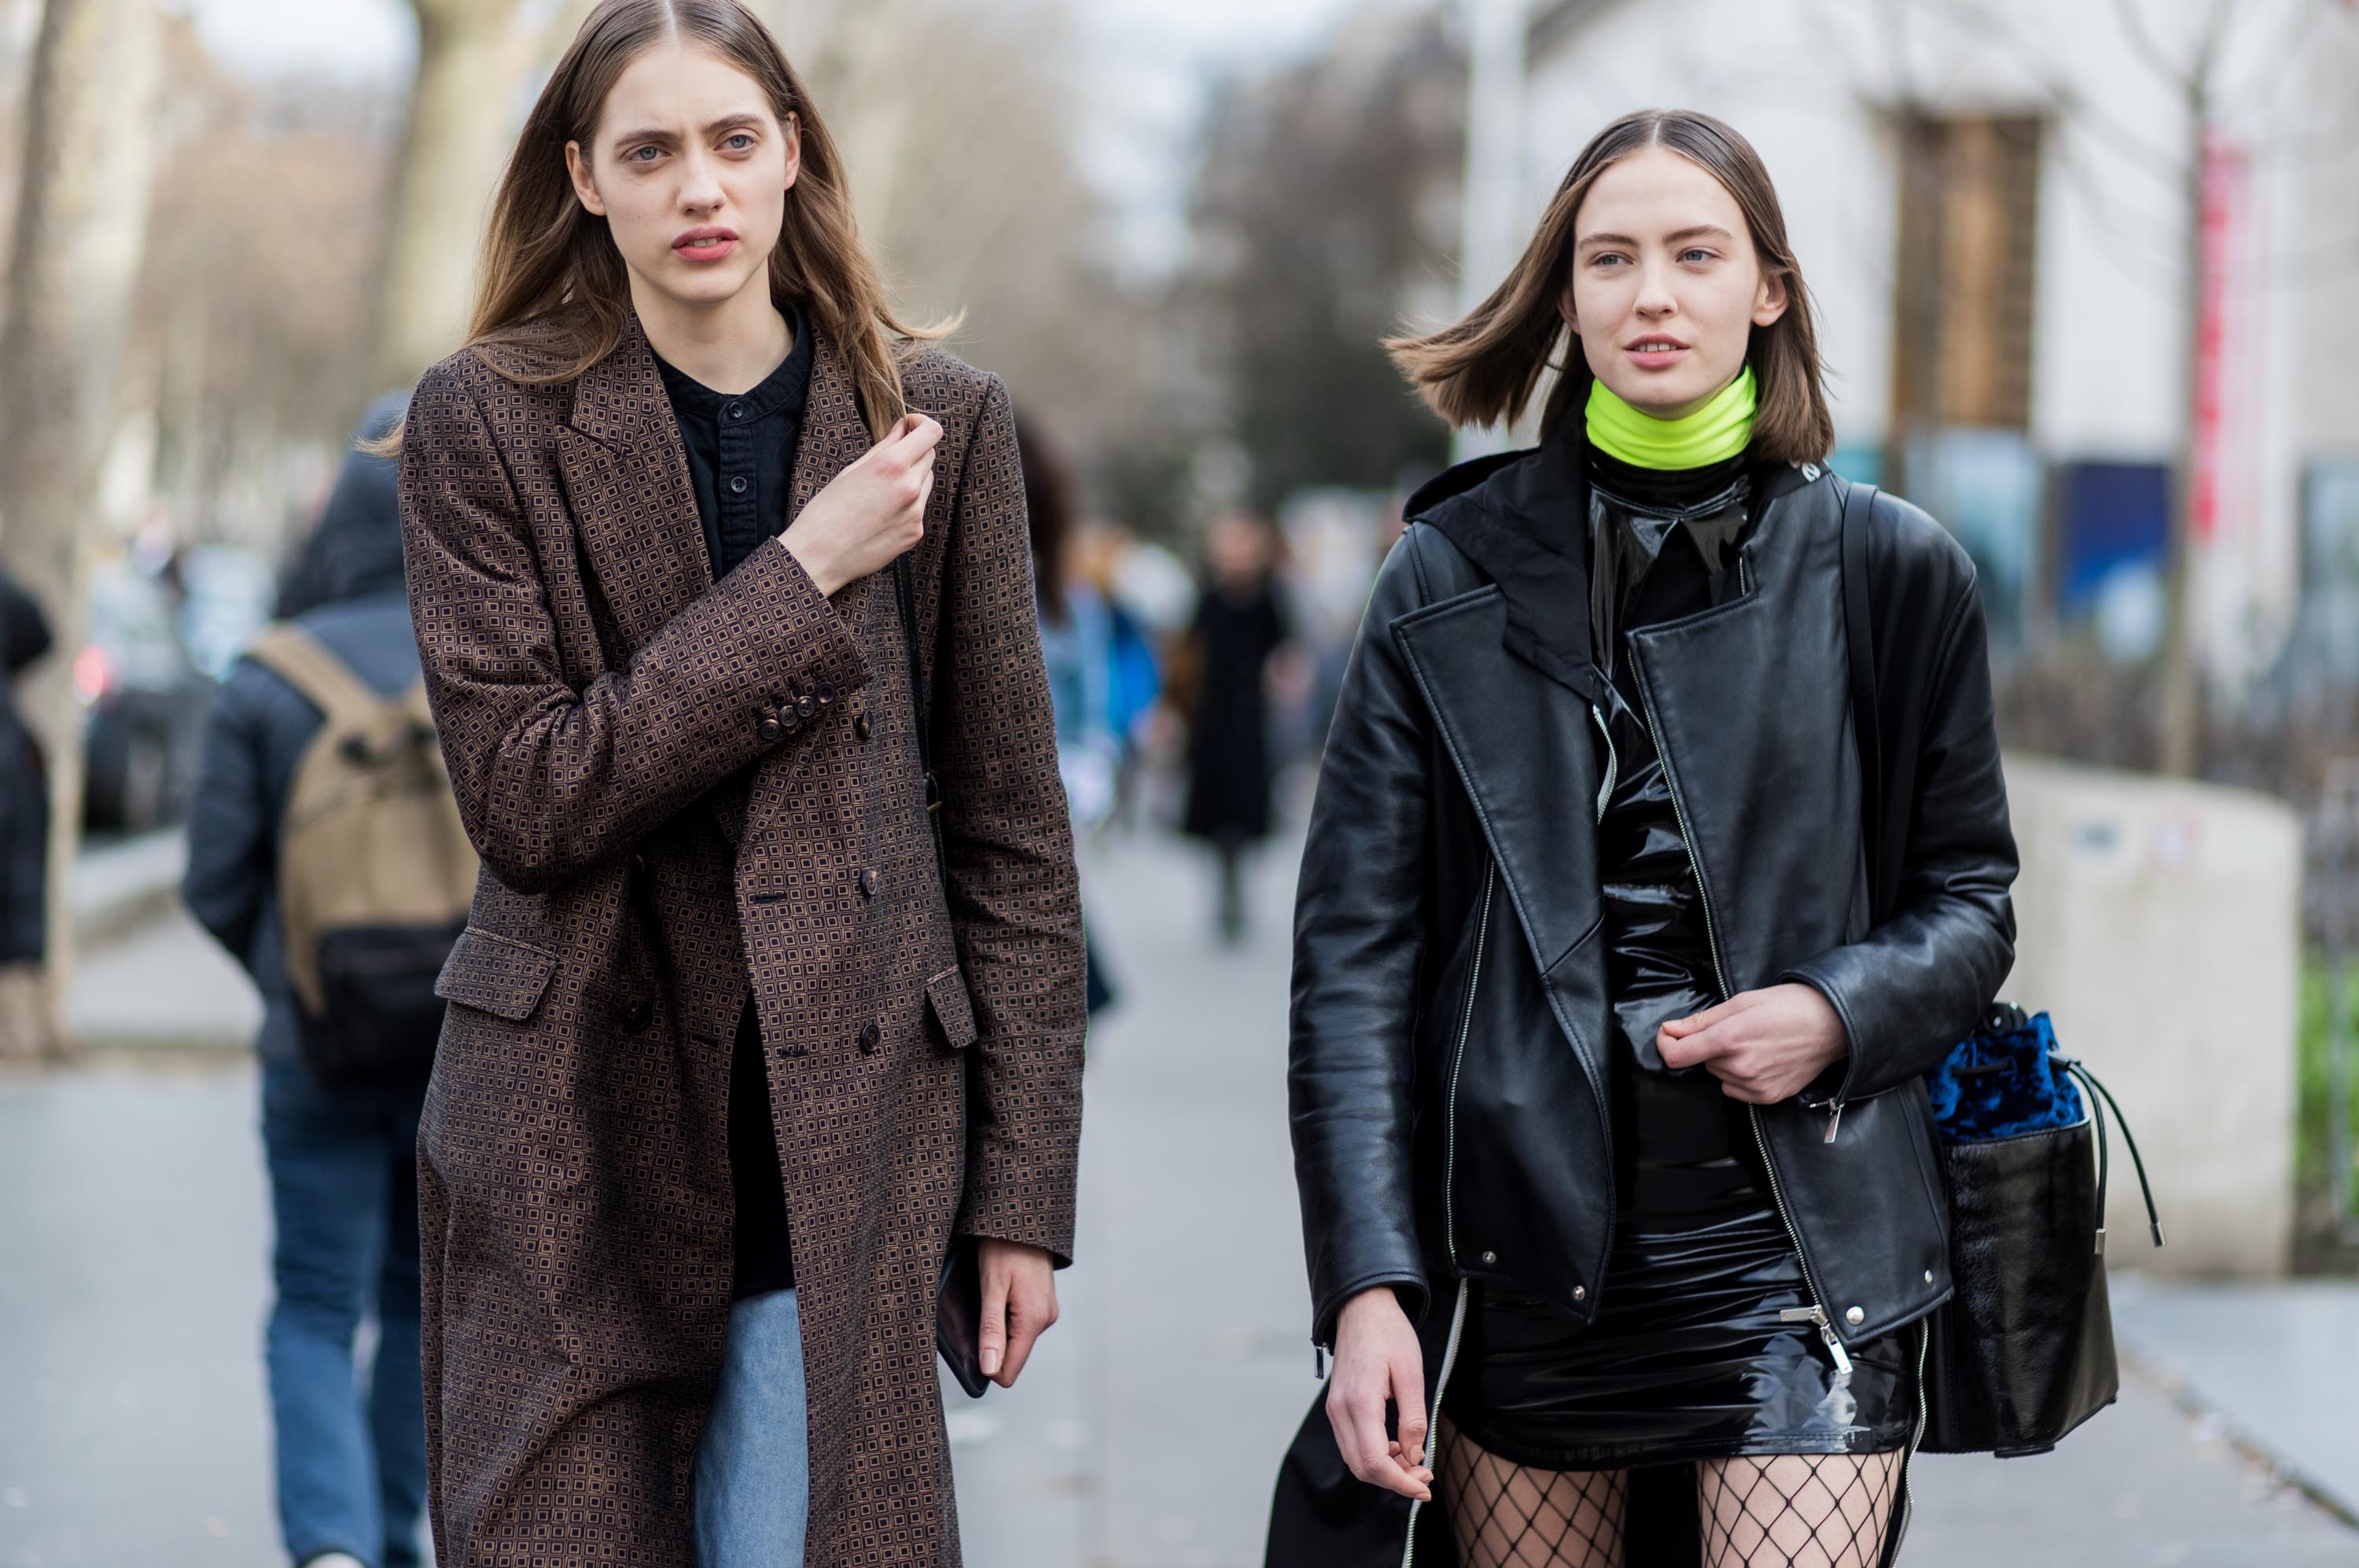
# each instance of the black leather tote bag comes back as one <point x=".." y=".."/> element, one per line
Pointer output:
<point x="2024" y="1352"/>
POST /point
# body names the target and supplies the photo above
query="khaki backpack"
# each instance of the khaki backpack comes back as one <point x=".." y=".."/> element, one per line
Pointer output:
<point x="375" y="869"/>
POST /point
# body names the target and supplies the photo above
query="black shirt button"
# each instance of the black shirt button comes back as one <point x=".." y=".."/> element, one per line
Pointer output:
<point x="870" y="881"/>
<point x="869" y="1035"/>
<point x="824" y="693"/>
<point x="770" y="730"/>
<point x="736" y="410"/>
<point x="737" y="485"/>
<point x="806" y="705"/>
<point x="862" y="727"/>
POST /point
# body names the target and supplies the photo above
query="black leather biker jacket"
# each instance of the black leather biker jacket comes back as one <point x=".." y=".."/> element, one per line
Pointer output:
<point x="1450" y="1014"/>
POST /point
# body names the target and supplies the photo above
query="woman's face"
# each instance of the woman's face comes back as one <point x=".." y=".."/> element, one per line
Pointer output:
<point x="1667" y="287"/>
<point x="690" y="168"/>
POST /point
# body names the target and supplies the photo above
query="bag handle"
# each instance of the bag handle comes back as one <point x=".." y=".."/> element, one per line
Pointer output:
<point x="2073" y="1065"/>
<point x="1866" y="720"/>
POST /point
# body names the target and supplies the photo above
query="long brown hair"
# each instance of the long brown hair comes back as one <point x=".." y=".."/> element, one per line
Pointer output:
<point x="556" y="295"/>
<point x="1483" y="368"/>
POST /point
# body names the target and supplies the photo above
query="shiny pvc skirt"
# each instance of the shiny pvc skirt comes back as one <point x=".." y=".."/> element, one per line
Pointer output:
<point x="1688" y="1357"/>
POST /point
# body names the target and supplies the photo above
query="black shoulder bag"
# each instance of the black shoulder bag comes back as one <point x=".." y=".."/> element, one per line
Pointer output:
<point x="2024" y="1352"/>
<point x="958" y="1299"/>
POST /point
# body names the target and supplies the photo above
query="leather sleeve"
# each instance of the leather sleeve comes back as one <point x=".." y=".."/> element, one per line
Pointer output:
<point x="550" y="779"/>
<point x="1013" y="894"/>
<point x="1918" y="983"/>
<point x="1360" y="922"/>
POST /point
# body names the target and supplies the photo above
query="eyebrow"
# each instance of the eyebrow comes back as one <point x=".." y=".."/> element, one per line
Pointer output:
<point x="726" y="122"/>
<point x="1693" y="232"/>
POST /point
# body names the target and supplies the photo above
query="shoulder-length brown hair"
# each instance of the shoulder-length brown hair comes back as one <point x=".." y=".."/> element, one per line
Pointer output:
<point x="1483" y="369"/>
<point x="556" y="296"/>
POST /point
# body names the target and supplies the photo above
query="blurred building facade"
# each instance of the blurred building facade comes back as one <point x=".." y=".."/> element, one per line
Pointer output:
<point x="1991" y="202"/>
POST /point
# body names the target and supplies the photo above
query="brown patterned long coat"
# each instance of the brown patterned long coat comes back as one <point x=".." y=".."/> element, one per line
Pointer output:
<point x="680" y="789"/>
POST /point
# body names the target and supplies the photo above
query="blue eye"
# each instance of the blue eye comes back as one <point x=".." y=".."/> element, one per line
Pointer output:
<point x="1697" y="253"/>
<point x="643" y="155"/>
<point x="741" y="142"/>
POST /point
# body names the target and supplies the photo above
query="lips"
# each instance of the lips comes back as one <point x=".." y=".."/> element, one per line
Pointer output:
<point x="709" y="243"/>
<point x="1656" y="350"/>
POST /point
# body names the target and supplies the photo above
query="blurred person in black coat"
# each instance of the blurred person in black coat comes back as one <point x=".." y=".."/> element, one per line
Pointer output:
<point x="23" y="786"/>
<point x="1241" y="626"/>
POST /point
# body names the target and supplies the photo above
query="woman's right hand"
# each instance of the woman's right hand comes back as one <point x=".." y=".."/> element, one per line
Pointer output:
<point x="870" y="513"/>
<point x="1377" y="1358"/>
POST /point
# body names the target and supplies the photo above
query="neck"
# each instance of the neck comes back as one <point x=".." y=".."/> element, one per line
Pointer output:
<point x="729" y="345"/>
<point x="1713" y="432"/>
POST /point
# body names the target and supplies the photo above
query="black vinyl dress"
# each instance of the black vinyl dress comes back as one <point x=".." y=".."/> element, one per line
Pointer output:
<point x="1692" y="1354"/>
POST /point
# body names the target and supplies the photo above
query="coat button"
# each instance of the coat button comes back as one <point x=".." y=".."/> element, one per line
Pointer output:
<point x="1855" y="1316"/>
<point x="789" y="720"/>
<point x="862" y="727"/>
<point x="869" y="881"/>
<point x="1929" y="1276"/>
<point x="1490" y="1258"/>
<point x="1581" y="1292"/>
<point x="869" y="1035"/>
<point x="639" y="1014"/>
<point x="824" y="693"/>
<point x="806" y="705"/>
<point x="770" y="730"/>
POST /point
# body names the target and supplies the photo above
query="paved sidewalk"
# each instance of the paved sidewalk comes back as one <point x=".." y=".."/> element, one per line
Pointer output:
<point x="1147" y="1430"/>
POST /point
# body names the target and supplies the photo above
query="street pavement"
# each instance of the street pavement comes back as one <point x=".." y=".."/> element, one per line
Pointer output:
<point x="1147" y="1429"/>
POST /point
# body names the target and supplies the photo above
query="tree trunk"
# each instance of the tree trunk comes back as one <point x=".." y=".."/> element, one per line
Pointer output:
<point x="82" y="221"/>
<point x="461" y="110"/>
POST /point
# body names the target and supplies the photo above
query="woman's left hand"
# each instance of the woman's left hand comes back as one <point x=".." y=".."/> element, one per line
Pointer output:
<point x="1764" y="1046"/>
<point x="1020" y="1301"/>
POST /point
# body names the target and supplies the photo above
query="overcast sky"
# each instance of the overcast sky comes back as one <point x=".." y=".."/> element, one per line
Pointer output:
<point x="1145" y="62"/>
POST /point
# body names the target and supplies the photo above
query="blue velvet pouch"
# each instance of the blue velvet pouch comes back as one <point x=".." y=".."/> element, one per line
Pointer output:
<point x="2004" y="1081"/>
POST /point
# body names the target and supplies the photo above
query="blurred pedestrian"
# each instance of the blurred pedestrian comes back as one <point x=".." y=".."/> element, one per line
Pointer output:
<point x="1616" y="1162"/>
<point x="339" y="1137"/>
<point x="1090" y="649"/>
<point x="746" y="715"/>
<point x="24" y="830"/>
<point x="1240" y="627"/>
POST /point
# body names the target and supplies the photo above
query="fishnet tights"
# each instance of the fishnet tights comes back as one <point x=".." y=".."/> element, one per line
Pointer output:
<point x="1786" y="1510"/>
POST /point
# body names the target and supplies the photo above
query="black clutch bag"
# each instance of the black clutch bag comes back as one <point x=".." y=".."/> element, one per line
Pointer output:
<point x="2024" y="1352"/>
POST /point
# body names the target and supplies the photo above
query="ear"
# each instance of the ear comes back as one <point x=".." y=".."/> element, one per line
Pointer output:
<point x="1564" y="309"/>
<point x="577" y="165"/>
<point x="1769" y="299"/>
<point x="794" y="147"/>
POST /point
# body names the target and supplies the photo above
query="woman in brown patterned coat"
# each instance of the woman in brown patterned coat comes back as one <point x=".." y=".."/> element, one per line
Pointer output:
<point x="719" y="1026"/>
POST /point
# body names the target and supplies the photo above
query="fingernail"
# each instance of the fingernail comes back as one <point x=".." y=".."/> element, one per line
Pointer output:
<point x="991" y="1363"/>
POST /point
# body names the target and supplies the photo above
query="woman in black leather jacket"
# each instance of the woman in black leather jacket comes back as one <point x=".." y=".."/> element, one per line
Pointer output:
<point x="1616" y="1166"/>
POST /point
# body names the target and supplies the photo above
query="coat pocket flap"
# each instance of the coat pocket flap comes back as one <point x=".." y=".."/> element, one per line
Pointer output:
<point x="496" y="973"/>
<point x="952" y="1010"/>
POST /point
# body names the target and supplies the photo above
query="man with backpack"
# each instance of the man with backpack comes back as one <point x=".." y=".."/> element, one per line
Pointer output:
<point x="325" y="852"/>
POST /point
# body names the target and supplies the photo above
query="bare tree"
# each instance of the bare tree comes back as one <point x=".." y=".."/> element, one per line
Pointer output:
<point x="82" y="221"/>
<point x="472" y="55"/>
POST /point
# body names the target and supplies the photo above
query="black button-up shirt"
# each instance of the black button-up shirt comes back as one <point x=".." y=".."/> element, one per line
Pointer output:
<point x="741" y="450"/>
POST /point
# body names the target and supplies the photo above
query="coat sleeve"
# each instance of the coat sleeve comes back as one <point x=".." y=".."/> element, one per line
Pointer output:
<point x="550" y="779"/>
<point x="1360" y="919"/>
<point x="1919" y="982"/>
<point x="24" y="630"/>
<point x="232" y="821"/>
<point x="1014" y="895"/>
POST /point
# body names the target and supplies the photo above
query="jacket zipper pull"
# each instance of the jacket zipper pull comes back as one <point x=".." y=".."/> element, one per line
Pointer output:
<point x="1817" y="1316"/>
<point x="1319" y="1361"/>
<point x="1834" y="1120"/>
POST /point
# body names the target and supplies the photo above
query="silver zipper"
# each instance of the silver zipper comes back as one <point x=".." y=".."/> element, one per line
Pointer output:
<point x="1817" y="1315"/>
<point x="1613" y="761"/>
<point x="1433" y="1417"/>
<point x="1457" y="1067"/>
<point x="1719" y="976"/>
<point x="1907" y="1493"/>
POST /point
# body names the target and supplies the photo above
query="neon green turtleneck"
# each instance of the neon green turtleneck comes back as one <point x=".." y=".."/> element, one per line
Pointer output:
<point x="1718" y="431"/>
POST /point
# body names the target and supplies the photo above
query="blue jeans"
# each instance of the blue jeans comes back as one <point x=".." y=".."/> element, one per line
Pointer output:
<point x="753" y="1469"/>
<point x="343" y="1193"/>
